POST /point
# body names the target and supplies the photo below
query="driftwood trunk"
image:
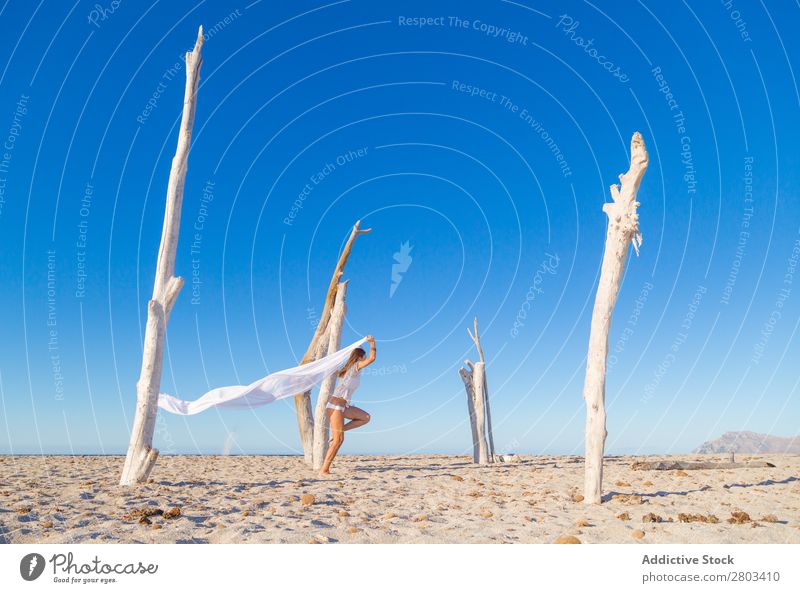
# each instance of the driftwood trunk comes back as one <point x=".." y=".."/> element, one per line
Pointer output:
<point x="478" y="404"/>
<point x="302" y="401"/>
<point x="141" y="455"/>
<point x="334" y="333"/>
<point x="623" y="228"/>
<point x="466" y="376"/>
<point x="489" y="433"/>
<point x="478" y="376"/>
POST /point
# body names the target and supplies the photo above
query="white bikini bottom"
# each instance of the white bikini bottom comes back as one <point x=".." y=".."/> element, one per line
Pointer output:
<point x="333" y="406"/>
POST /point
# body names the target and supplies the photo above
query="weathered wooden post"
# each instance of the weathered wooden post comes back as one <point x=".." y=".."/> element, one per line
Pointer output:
<point x="141" y="455"/>
<point x="302" y="401"/>
<point x="478" y="403"/>
<point x="623" y="228"/>
<point x="334" y="334"/>
<point x="466" y="376"/>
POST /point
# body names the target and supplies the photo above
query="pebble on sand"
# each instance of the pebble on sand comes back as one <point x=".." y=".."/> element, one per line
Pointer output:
<point x="307" y="500"/>
<point x="652" y="518"/>
<point x="457" y="478"/>
<point x="582" y="523"/>
<point x="487" y="514"/>
<point x="567" y="539"/>
<point x="637" y="534"/>
<point x="624" y="517"/>
<point x="578" y="498"/>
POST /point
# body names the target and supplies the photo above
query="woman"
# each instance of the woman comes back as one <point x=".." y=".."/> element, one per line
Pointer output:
<point x="338" y="407"/>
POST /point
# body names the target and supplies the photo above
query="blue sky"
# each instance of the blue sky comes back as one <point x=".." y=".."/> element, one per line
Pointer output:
<point x="483" y="135"/>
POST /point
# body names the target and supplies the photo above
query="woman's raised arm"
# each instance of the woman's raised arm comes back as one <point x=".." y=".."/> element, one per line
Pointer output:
<point x="371" y="358"/>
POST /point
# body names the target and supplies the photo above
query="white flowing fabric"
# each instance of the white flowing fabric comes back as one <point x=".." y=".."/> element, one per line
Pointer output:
<point x="271" y="388"/>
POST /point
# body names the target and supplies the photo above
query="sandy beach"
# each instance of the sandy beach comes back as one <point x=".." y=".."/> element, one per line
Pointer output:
<point x="395" y="499"/>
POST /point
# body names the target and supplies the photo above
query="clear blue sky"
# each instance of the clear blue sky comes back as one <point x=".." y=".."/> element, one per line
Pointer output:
<point x="486" y="141"/>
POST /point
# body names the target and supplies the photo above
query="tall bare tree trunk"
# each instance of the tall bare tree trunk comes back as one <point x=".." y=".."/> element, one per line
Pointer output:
<point x="478" y="376"/>
<point x="334" y="334"/>
<point x="623" y="228"/>
<point x="466" y="376"/>
<point x="302" y="401"/>
<point x="478" y="403"/>
<point x="141" y="455"/>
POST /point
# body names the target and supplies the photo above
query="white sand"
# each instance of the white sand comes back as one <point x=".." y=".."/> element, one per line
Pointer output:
<point x="395" y="499"/>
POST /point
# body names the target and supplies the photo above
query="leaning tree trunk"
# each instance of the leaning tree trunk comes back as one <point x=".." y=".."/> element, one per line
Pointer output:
<point x="623" y="228"/>
<point x="466" y="376"/>
<point x="302" y="401"/>
<point x="334" y="342"/>
<point x="141" y="455"/>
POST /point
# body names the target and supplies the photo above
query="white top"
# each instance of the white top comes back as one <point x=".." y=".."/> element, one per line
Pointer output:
<point x="348" y="384"/>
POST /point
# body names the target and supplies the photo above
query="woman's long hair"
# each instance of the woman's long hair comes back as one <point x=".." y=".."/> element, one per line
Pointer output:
<point x="355" y="356"/>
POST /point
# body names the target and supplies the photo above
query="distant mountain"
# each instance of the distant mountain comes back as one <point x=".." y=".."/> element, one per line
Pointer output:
<point x="750" y="442"/>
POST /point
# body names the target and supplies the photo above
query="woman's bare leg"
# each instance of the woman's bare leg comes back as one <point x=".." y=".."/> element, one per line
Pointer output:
<point x="336" y="419"/>
<point x="357" y="417"/>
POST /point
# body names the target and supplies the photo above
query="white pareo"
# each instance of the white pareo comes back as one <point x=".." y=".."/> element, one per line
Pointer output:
<point x="278" y="385"/>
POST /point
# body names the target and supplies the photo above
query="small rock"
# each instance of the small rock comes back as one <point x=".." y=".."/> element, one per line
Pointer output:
<point x="49" y="524"/>
<point x="637" y="534"/>
<point x="344" y="514"/>
<point x="621" y="484"/>
<point x="457" y="478"/>
<point x="624" y="517"/>
<point x="23" y="510"/>
<point x="157" y="526"/>
<point x="173" y="513"/>
<point x="647" y="483"/>
<point x="578" y="498"/>
<point x="769" y="519"/>
<point x="487" y="514"/>
<point x="567" y="539"/>
<point x="324" y="539"/>
<point x="307" y="500"/>
<point x="582" y="523"/>
<point x="419" y="518"/>
<point x="681" y="473"/>
<point x="144" y="521"/>
<point x="388" y="516"/>
<point x="353" y="530"/>
<point x="652" y="518"/>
